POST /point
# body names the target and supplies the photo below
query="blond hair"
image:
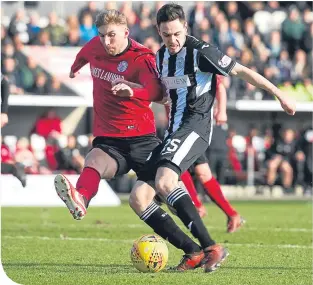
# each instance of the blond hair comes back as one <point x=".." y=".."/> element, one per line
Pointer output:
<point x="106" y="17"/>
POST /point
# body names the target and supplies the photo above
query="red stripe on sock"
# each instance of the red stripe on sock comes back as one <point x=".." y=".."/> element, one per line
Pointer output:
<point x="213" y="189"/>
<point x="88" y="183"/>
<point x="187" y="179"/>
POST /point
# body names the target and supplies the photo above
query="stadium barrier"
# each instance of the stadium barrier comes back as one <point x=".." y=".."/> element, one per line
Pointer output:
<point x="40" y="192"/>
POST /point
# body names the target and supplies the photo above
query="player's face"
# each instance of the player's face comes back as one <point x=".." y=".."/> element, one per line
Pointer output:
<point x="113" y="38"/>
<point x="173" y="35"/>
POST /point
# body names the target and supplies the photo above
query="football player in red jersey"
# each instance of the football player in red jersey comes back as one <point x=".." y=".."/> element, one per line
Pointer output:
<point x="124" y="126"/>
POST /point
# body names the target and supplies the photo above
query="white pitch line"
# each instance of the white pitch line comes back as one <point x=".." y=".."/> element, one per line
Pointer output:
<point x="130" y="241"/>
<point x="94" y="226"/>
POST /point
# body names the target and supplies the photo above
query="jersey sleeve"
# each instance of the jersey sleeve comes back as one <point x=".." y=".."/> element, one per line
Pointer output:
<point x="148" y="77"/>
<point x="211" y="59"/>
<point x="81" y="58"/>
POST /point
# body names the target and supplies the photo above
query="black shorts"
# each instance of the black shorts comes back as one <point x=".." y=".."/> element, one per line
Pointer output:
<point x="177" y="152"/>
<point x="129" y="153"/>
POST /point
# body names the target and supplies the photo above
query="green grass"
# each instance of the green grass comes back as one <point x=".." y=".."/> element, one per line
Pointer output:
<point x="274" y="247"/>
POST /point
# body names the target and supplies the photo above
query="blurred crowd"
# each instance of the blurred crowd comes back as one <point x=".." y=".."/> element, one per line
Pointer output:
<point x="276" y="156"/>
<point x="273" y="38"/>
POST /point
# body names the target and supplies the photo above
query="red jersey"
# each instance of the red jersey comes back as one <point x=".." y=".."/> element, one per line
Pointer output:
<point x="115" y="116"/>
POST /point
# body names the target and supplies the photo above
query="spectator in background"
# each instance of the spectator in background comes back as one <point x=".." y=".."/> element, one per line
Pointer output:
<point x="249" y="30"/>
<point x="300" y="68"/>
<point x="272" y="6"/>
<point x="223" y="36"/>
<point x="33" y="28"/>
<point x="69" y="158"/>
<point x="233" y="12"/>
<point x="55" y="87"/>
<point x="10" y="71"/>
<point x="307" y="40"/>
<point x="275" y="44"/>
<point x="72" y="22"/>
<point x="4" y="37"/>
<point x="146" y="30"/>
<point x="281" y="157"/>
<point x="235" y="30"/>
<point x="55" y="30"/>
<point x="144" y="11"/>
<point x="73" y="38"/>
<point x="197" y="14"/>
<point x="43" y="39"/>
<point x="49" y="123"/>
<point x="133" y="25"/>
<point x="90" y="9"/>
<point x="201" y="29"/>
<point x="18" y="26"/>
<point x="87" y="29"/>
<point x="213" y="12"/>
<point x="217" y="152"/>
<point x="84" y="150"/>
<point x="284" y="66"/>
<point x="29" y="74"/>
<point x="7" y="51"/>
<point x="41" y="85"/>
<point x="304" y="153"/>
<point x="25" y="156"/>
<point x="293" y="30"/>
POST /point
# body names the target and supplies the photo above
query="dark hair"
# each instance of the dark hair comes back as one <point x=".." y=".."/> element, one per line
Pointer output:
<point x="170" y="12"/>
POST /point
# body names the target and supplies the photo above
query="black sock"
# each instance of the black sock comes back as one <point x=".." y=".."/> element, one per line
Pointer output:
<point x="189" y="215"/>
<point x="164" y="226"/>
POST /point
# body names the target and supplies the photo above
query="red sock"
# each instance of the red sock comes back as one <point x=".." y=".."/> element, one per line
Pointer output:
<point x="187" y="179"/>
<point x="213" y="189"/>
<point x="88" y="183"/>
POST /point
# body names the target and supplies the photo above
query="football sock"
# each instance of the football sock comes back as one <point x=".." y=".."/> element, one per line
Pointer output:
<point x="213" y="189"/>
<point x="187" y="179"/>
<point x="88" y="183"/>
<point x="189" y="215"/>
<point x="164" y="226"/>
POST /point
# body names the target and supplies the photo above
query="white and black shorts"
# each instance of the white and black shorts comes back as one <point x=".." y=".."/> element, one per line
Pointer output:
<point x="177" y="152"/>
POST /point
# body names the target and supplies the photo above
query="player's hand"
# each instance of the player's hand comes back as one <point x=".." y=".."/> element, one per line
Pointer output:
<point x="4" y="119"/>
<point x="72" y="74"/>
<point x="129" y="83"/>
<point x="220" y="118"/>
<point x="288" y="104"/>
<point x="122" y="90"/>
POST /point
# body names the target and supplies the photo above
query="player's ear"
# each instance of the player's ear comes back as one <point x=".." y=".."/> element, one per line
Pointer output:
<point x="126" y="32"/>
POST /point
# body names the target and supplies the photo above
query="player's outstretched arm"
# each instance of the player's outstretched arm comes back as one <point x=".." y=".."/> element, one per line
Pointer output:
<point x="221" y="105"/>
<point x="80" y="61"/>
<point x="254" y="78"/>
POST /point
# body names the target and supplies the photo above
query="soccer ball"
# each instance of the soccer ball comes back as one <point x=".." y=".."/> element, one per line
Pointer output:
<point x="149" y="253"/>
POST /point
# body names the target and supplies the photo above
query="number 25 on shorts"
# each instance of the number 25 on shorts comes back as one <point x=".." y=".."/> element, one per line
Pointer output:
<point x="171" y="145"/>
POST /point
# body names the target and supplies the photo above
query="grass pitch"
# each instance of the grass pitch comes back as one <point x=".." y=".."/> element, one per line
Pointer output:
<point x="46" y="246"/>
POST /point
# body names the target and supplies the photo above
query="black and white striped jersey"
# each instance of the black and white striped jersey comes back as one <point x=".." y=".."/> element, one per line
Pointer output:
<point x="190" y="80"/>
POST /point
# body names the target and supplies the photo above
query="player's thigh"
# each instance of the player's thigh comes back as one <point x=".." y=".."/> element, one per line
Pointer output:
<point x="108" y="157"/>
<point x="286" y="167"/>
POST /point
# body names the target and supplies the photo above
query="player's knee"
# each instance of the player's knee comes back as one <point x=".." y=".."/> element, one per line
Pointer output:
<point x="141" y="197"/>
<point x="203" y="173"/>
<point x="204" y="176"/>
<point x="165" y="185"/>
